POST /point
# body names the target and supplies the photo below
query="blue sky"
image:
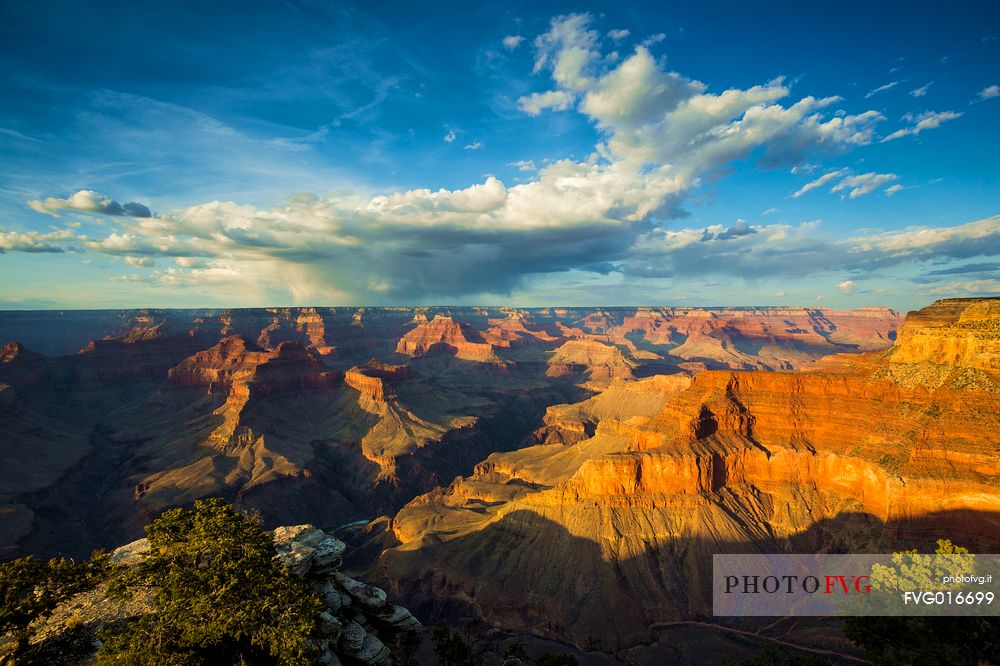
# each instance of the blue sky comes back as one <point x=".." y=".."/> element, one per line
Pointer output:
<point x="207" y="154"/>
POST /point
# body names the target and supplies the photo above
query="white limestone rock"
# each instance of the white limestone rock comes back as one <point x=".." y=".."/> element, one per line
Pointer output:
<point x="331" y="596"/>
<point x="296" y="546"/>
<point x="368" y="596"/>
<point x="328" y="557"/>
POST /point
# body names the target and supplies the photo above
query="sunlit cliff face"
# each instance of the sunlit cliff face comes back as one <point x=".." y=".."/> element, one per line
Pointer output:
<point x="633" y="489"/>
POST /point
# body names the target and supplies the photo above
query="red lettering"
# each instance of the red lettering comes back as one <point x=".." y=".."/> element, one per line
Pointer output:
<point x="831" y="584"/>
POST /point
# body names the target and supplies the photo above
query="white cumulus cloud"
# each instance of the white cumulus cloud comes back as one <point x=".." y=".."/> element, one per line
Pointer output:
<point x="88" y="201"/>
<point x="32" y="241"/>
<point x="802" y="250"/>
<point x="979" y="287"/>
<point x="651" y="115"/>
<point x="535" y="103"/>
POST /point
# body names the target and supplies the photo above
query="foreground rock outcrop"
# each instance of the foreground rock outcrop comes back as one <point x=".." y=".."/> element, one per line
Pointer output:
<point x="355" y="626"/>
<point x="358" y="620"/>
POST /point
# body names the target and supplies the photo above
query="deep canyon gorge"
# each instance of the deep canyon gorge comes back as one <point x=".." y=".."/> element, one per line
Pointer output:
<point x="563" y="474"/>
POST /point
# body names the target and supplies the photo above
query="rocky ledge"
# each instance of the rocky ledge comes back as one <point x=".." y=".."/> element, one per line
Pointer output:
<point x="358" y="617"/>
<point x="354" y="627"/>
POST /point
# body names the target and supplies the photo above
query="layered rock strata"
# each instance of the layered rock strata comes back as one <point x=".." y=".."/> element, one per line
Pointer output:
<point x="596" y="361"/>
<point x="607" y="527"/>
<point x="300" y="411"/>
<point x="445" y="335"/>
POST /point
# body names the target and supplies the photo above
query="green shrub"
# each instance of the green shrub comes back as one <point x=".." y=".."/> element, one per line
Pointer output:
<point x="219" y="595"/>
<point x="924" y="640"/>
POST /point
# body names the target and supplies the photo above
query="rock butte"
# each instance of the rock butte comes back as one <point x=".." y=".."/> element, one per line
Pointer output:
<point x="606" y="526"/>
<point x="598" y="361"/>
<point x="445" y="335"/>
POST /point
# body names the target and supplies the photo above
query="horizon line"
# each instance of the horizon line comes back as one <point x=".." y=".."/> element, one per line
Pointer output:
<point x="482" y="306"/>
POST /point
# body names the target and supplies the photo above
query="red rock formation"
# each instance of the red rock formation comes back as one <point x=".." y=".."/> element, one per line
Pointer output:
<point x="10" y="351"/>
<point x="609" y="528"/>
<point x="276" y="429"/>
<point x="303" y="325"/>
<point x="143" y="325"/>
<point x="375" y="380"/>
<point x="765" y="338"/>
<point x="238" y="370"/>
<point x="234" y="418"/>
<point x="516" y="330"/>
<point x="954" y="332"/>
<point x="445" y="335"/>
<point x="760" y="338"/>
<point x="600" y="362"/>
